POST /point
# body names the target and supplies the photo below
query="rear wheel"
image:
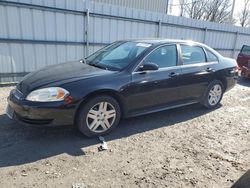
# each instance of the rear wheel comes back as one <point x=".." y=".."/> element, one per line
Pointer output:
<point x="98" y="116"/>
<point x="213" y="94"/>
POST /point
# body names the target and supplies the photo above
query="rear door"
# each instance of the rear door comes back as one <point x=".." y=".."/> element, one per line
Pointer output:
<point x="244" y="56"/>
<point x="197" y="70"/>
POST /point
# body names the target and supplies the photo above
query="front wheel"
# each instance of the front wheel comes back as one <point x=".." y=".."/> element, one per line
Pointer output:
<point x="98" y="116"/>
<point x="213" y="95"/>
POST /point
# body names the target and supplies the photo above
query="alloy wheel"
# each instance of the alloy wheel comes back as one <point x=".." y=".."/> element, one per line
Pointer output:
<point x="101" y="117"/>
<point x="215" y="94"/>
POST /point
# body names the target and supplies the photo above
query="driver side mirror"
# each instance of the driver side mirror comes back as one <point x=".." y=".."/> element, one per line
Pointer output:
<point x="148" y="67"/>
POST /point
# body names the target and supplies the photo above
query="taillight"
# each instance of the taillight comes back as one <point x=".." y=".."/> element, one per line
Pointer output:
<point x="237" y="68"/>
<point x="235" y="71"/>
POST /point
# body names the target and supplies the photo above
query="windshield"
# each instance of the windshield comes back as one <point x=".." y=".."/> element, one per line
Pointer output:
<point x="117" y="55"/>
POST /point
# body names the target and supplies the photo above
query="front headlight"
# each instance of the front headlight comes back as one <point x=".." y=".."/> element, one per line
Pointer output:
<point x="48" y="94"/>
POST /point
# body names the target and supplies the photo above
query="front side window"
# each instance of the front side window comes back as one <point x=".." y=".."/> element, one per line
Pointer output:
<point x="245" y="50"/>
<point x="164" y="56"/>
<point x="117" y="55"/>
<point x="192" y="54"/>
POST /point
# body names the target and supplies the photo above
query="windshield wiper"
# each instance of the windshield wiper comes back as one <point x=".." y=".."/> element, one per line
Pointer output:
<point x="98" y="66"/>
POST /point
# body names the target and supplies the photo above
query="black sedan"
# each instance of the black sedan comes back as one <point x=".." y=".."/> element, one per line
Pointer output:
<point x="124" y="79"/>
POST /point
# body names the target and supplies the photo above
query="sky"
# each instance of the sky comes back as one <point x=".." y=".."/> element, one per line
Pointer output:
<point x="239" y="4"/>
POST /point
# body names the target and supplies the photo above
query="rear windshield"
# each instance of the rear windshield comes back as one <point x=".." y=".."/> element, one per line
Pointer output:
<point x="245" y="50"/>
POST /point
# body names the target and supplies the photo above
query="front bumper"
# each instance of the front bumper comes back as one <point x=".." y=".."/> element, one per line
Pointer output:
<point x="41" y="114"/>
<point x="245" y="72"/>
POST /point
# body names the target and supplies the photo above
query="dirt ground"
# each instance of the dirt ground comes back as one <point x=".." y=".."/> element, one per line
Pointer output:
<point x="185" y="147"/>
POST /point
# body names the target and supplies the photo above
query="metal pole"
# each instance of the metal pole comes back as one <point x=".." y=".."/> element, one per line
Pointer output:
<point x="205" y="35"/>
<point x="167" y="7"/>
<point x="159" y="29"/>
<point x="170" y="2"/>
<point x="87" y="32"/>
<point x="232" y="11"/>
<point x="235" y="43"/>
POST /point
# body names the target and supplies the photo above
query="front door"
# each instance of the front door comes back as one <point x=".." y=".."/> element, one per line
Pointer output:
<point x="153" y="89"/>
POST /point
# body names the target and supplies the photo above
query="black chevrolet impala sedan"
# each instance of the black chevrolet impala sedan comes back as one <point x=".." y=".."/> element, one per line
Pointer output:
<point x="123" y="79"/>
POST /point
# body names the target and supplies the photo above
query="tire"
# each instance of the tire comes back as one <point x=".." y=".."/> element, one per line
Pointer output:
<point x="213" y="93"/>
<point x="93" y="120"/>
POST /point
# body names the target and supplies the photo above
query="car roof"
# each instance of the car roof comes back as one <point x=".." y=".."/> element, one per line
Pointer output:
<point x="162" y="40"/>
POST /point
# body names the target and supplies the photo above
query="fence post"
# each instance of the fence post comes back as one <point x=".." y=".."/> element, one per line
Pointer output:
<point x="159" y="29"/>
<point x="235" y="43"/>
<point x="205" y="35"/>
<point x="87" y="33"/>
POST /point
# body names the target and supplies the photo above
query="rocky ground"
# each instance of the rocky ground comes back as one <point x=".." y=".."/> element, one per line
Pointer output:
<point x="185" y="147"/>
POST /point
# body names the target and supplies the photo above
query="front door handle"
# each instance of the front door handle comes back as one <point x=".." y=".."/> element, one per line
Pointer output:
<point x="174" y="74"/>
<point x="209" y="69"/>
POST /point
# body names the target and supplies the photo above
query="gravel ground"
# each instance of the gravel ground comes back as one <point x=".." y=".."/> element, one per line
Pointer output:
<point x="185" y="147"/>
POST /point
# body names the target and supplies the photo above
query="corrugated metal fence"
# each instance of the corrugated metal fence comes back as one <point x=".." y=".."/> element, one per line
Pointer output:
<point x="150" y="5"/>
<point x="36" y="33"/>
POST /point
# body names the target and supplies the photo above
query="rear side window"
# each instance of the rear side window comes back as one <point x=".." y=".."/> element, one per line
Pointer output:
<point x="211" y="57"/>
<point x="192" y="54"/>
<point x="245" y="50"/>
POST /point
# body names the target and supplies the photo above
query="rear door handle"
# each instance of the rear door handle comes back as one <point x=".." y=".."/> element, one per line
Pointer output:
<point x="209" y="69"/>
<point x="174" y="74"/>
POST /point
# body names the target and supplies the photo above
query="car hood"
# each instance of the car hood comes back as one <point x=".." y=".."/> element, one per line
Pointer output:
<point x="59" y="74"/>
